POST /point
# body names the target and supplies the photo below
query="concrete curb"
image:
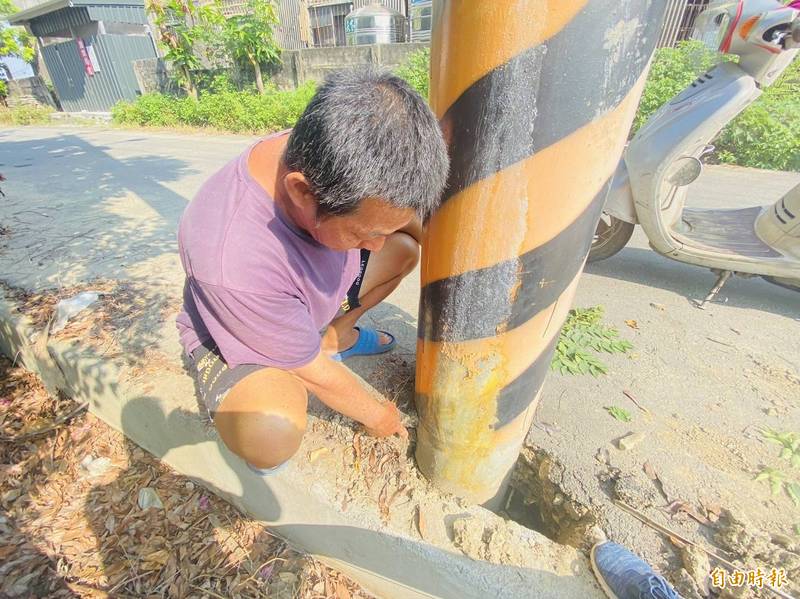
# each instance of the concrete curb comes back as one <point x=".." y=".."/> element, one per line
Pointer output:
<point x="390" y="560"/>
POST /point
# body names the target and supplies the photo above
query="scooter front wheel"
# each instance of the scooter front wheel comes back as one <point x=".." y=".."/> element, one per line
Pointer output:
<point x="611" y="235"/>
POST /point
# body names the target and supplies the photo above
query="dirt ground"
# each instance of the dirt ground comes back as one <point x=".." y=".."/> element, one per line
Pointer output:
<point x="73" y="522"/>
<point x="707" y="391"/>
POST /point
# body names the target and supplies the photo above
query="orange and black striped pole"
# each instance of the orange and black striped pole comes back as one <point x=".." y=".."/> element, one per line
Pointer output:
<point x="536" y="98"/>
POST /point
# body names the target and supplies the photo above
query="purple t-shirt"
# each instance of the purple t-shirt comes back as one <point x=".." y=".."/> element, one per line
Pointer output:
<point x="257" y="285"/>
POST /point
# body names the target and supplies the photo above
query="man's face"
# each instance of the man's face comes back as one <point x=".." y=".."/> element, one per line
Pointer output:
<point x="367" y="228"/>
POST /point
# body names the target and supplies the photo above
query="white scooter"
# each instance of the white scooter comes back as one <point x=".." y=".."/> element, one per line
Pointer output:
<point x="664" y="157"/>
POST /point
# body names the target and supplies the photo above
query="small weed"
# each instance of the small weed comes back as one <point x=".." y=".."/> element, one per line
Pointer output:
<point x="789" y="442"/>
<point x="619" y="413"/>
<point x="790" y="450"/>
<point x="774" y="478"/>
<point x="582" y="334"/>
<point x="793" y="491"/>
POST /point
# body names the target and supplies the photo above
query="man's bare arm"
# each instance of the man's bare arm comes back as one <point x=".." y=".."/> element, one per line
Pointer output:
<point x="341" y="390"/>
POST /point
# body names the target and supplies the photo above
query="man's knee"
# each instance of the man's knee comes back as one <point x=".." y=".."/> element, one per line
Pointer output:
<point x="263" y="418"/>
<point x="407" y="251"/>
<point x="265" y="441"/>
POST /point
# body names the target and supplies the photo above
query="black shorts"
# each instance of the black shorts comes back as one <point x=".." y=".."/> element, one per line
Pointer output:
<point x="214" y="377"/>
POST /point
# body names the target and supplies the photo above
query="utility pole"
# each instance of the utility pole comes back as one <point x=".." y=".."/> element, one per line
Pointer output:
<point x="536" y="98"/>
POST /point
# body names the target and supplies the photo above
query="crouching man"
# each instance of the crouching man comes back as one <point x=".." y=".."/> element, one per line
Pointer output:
<point x="288" y="245"/>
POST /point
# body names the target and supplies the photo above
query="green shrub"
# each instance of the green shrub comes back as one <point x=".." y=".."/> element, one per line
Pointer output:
<point x="227" y="110"/>
<point x="671" y="71"/>
<point x="416" y="70"/>
<point x="155" y="110"/>
<point x="25" y="115"/>
<point x="787" y="87"/>
<point x="766" y="135"/>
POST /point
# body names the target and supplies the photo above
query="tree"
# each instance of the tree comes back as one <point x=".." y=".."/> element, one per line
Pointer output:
<point x="184" y="26"/>
<point x="14" y="41"/>
<point x="249" y="37"/>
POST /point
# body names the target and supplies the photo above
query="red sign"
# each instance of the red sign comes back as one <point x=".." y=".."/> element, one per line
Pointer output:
<point x="87" y="62"/>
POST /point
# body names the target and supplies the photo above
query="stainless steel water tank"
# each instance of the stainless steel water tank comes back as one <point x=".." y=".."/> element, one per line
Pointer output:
<point x="374" y="24"/>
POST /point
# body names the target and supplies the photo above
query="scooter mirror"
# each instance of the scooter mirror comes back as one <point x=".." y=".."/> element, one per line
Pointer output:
<point x="684" y="171"/>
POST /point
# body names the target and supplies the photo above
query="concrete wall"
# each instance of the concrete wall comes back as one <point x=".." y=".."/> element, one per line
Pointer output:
<point x="153" y="76"/>
<point x="313" y="64"/>
<point x="299" y="66"/>
<point x="30" y="91"/>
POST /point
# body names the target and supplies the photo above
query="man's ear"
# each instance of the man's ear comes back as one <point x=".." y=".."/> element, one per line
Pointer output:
<point x="300" y="194"/>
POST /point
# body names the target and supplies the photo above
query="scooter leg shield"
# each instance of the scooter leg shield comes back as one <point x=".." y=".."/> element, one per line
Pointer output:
<point x="779" y="225"/>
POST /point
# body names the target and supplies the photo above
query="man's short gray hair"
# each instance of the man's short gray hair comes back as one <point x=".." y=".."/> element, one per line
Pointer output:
<point x="368" y="134"/>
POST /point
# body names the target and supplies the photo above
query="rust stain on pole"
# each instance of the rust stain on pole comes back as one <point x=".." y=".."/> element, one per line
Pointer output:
<point x="536" y="98"/>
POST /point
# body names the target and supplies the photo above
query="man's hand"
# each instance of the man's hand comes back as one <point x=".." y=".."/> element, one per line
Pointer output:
<point x="388" y="423"/>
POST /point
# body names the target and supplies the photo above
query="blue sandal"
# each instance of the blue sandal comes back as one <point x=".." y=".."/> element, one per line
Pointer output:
<point x="368" y="344"/>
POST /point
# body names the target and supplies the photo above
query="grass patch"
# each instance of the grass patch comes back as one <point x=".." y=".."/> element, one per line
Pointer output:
<point x="25" y="115"/>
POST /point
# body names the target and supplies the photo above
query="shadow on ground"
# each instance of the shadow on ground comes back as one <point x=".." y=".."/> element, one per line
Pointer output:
<point x="85" y="214"/>
<point x="647" y="268"/>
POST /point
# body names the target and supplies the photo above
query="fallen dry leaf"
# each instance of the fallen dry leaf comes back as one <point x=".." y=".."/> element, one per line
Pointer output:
<point x="358" y="450"/>
<point x="678" y="507"/>
<point x="713" y="510"/>
<point x="160" y="557"/>
<point x="62" y="528"/>
<point x="110" y="523"/>
<point x="630" y="396"/>
<point x="421" y="524"/>
<point x="313" y="456"/>
<point x="342" y="591"/>
<point x="373" y="458"/>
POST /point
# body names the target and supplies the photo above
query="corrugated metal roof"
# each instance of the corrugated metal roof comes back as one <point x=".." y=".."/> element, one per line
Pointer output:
<point x="59" y="20"/>
<point x="127" y="13"/>
<point x="23" y="17"/>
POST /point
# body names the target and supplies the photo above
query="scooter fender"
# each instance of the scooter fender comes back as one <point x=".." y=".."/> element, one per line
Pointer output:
<point x="619" y="202"/>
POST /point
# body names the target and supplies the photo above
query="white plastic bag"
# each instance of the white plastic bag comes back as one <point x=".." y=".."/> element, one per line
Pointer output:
<point x="67" y="308"/>
<point x="148" y="497"/>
